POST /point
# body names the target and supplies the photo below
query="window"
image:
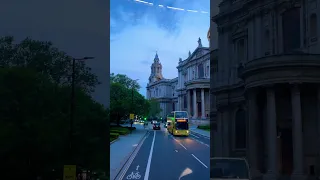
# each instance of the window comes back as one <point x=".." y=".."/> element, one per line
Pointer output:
<point x="193" y="74"/>
<point x="240" y="130"/>
<point x="208" y="71"/>
<point x="313" y="26"/>
<point x="267" y="42"/>
<point x="185" y="78"/>
<point x="185" y="101"/>
<point x="181" y="115"/>
<point x="200" y="71"/>
<point x="291" y="29"/>
<point x="241" y="50"/>
<point x="182" y="125"/>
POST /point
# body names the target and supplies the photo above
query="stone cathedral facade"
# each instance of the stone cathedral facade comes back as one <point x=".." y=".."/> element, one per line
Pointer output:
<point x="266" y="86"/>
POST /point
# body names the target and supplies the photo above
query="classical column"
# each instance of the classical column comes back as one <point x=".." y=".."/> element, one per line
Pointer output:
<point x="271" y="136"/>
<point x="203" y="114"/>
<point x="252" y="140"/>
<point x="297" y="134"/>
<point x="195" y="109"/>
<point x="189" y="102"/>
<point x="226" y="131"/>
<point x="318" y="121"/>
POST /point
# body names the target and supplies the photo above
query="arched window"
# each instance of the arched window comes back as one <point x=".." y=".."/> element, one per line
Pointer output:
<point x="200" y="71"/>
<point x="267" y="41"/>
<point x="240" y="129"/>
<point x="313" y="26"/>
<point x="291" y="29"/>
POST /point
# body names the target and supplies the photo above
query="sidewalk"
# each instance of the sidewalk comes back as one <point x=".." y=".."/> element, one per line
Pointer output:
<point x="194" y="129"/>
<point x="121" y="149"/>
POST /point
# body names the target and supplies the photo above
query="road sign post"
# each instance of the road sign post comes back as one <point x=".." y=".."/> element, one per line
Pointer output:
<point x="69" y="172"/>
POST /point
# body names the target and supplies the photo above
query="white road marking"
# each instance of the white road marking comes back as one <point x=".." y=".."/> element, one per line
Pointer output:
<point x="132" y="158"/>
<point x="176" y="150"/>
<point x="179" y="143"/>
<point x="137" y="168"/>
<point x="194" y="135"/>
<point x="146" y="176"/>
<point x="199" y="161"/>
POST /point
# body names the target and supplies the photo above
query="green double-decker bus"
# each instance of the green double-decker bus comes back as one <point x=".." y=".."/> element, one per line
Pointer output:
<point x="178" y="123"/>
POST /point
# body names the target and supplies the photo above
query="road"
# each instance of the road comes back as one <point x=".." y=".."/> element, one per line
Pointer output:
<point x="163" y="156"/>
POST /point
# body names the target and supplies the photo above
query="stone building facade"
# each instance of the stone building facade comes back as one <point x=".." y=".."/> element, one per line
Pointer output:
<point x="266" y="86"/>
<point x="189" y="91"/>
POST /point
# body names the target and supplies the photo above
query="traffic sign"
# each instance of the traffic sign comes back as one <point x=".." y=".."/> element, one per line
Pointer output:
<point x="69" y="172"/>
<point x="131" y="116"/>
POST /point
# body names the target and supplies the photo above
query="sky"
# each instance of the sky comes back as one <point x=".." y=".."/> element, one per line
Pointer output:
<point x="139" y="30"/>
<point x="78" y="27"/>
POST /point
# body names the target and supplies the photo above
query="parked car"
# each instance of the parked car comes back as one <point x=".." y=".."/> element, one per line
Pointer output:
<point x="229" y="169"/>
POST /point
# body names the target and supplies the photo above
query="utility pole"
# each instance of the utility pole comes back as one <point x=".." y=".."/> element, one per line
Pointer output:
<point x="72" y="104"/>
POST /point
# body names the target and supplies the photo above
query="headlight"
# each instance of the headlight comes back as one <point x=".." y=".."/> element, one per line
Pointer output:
<point x="187" y="131"/>
<point x="176" y="131"/>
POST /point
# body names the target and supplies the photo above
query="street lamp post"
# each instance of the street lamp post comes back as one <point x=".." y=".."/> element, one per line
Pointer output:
<point x="72" y="102"/>
<point x="132" y="90"/>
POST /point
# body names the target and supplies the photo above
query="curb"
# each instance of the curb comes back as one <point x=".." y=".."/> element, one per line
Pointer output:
<point x="200" y="134"/>
<point x="114" y="140"/>
<point x="128" y="157"/>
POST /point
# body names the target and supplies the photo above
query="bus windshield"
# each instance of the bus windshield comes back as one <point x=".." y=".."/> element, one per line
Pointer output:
<point x="229" y="169"/>
<point x="181" y="115"/>
<point x="182" y="125"/>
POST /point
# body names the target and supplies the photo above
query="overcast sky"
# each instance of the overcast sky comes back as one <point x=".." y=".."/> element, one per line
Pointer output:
<point x="138" y="30"/>
<point x="78" y="27"/>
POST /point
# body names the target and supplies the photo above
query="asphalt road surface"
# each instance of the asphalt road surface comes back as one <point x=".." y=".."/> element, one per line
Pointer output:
<point x="163" y="156"/>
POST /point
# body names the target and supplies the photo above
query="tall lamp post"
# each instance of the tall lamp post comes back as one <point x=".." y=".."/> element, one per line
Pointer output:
<point x="132" y="91"/>
<point x="72" y="102"/>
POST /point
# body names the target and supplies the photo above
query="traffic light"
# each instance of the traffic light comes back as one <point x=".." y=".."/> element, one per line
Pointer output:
<point x="161" y="117"/>
<point x="145" y="118"/>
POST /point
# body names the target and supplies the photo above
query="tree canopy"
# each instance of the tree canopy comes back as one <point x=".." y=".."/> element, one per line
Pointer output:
<point x="35" y="113"/>
<point x="154" y="108"/>
<point x="125" y="100"/>
<point x="125" y="81"/>
<point x="46" y="59"/>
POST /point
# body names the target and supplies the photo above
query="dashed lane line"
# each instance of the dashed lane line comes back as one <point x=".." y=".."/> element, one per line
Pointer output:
<point x="179" y="143"/>
<point x="199" y="160"/>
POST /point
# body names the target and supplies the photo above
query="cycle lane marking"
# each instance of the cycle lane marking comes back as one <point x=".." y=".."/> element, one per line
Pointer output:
<point x="132" y="158"/>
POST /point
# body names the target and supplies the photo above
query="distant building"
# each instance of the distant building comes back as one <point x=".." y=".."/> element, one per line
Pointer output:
<point x="266" y="87"/>
<point x="189" y="91"/>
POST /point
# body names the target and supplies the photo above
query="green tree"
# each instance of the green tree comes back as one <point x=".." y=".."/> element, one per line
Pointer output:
<point x="120" y="101"/>
<point x="154" y="108"/>
<point x="44" y="58"/>
<point x="125" y="100"/>
<point x="125" y="81"/>
<point x="34" y="126"/>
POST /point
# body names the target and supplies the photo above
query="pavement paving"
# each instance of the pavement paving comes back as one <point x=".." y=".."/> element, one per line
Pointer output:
<point x="121" y="150"/>
<point x="201" y="132"/>
<point x="163" y="156"/>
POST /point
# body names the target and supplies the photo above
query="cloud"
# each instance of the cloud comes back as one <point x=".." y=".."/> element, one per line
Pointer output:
<point x="134" y="47"/>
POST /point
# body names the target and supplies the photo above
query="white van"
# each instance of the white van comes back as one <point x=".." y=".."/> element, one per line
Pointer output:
<point x="229" y="169"/>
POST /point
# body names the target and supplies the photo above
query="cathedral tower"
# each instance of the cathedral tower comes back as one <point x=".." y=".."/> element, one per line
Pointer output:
<point x="156" y="70"/>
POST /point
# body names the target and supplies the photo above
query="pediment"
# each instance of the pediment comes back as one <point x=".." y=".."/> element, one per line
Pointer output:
<point x="198" y="53"/>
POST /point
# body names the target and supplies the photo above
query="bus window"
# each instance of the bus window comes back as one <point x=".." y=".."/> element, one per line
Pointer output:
<point x="182" y="125"/>
<point x="181" y="114"/>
